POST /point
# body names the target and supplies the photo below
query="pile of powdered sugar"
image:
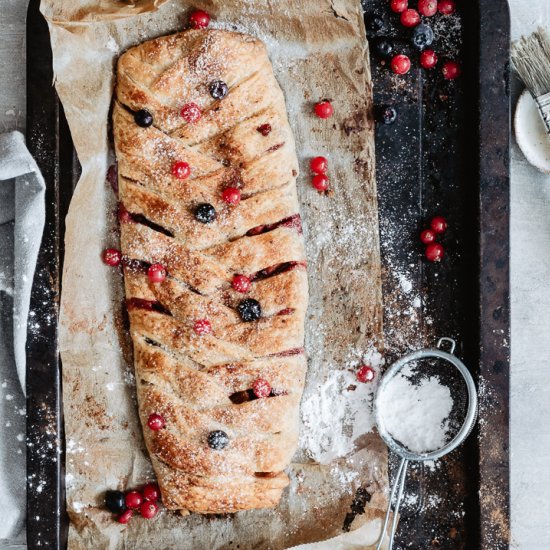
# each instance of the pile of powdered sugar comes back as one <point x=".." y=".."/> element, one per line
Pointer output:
<point x="339" y="410"/>
<point x="416" y="412"/>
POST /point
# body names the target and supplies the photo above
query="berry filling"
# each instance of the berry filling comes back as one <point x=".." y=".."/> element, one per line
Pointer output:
<point x="112" y="177"/>
<point x="276" y="270"/>
<point x="264" y="129"/>
<point x="261" y="389"/>
<point x="289" y="352"/>
<point x="147" y="305"/>
<point x="293" y="222"/>
<point x="140" y="218"/>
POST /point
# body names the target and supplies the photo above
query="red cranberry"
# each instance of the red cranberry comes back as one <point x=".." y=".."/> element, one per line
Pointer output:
<point x="438" y="224"/>
<point x="112" y="257"/>
<point x="202" y="326"/>
<point x="241" y="283"/>
<point x="410" y="18"/>
<point x="400" y="64"/>
<point x="428" y="59"/>
<point x="156" y="422"/>
<point x="151" y="492"/>
<point x="320" y="182"/>
<point x="365" y="374"/>
<point x="133" y="500"/>
<point x="451" y="70"/>
<point x="264" y="129"/>
<point x="427" y="236"/>
<point x="446" y="7"/>
<point x="149" y="510"/>
<point x="399" y="6"/>
<point x="324" y="109"/>
<point x="181" y="170"/>
<point x="261" y="388"/>
<point x="156" y="273"/>
<point x="434" y="252"/>
<point x="199" y="19"/>
<point x="319" y="165"/>
<point x="190" y="112"/>
<point x="231" y="195"/>
<point x="126" y="516"/>
<point x="427" y="7"/>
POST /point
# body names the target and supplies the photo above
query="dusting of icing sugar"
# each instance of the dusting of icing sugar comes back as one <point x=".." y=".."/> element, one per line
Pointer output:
<point x="338" y="411"/>
<point x="416" y="413"/>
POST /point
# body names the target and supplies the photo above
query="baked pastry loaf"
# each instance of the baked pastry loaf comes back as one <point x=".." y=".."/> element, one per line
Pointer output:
<point x="215" y="280"/>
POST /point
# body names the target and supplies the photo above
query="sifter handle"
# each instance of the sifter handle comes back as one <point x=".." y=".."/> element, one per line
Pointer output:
<point x="398" y="487"/>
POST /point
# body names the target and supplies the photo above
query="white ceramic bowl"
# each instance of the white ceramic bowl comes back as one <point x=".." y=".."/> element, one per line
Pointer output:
<point x="530" y="132"/>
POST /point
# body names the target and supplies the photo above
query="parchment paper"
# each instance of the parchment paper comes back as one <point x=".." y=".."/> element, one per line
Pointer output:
<point x="318" y="50"/>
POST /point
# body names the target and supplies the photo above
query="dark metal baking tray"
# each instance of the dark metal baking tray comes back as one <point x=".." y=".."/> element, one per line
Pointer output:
<point x="448" y="152"/>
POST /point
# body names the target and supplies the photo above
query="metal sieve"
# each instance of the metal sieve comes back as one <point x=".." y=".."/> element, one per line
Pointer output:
<point x="407" y="455"/>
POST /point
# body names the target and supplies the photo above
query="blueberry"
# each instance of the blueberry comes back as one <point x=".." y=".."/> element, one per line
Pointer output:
<point x="205" y="213"/>
<point x="218" y="440"/>
<point x="249" y="310"/>
<point x="387" y="114"/>
<point x="422" y="36"/>
<point x="143" y="118"/>
<point x="384" y="47"/>
<point x="218" y="89"/>
<point x="114" y="501"/>
<point x="374" y="24"/>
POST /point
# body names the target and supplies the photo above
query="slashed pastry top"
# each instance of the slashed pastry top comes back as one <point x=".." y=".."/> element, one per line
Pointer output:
<point x="214" y="266"/>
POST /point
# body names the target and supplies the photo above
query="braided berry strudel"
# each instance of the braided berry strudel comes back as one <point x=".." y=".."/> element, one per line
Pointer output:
<point x="214" y="266"/>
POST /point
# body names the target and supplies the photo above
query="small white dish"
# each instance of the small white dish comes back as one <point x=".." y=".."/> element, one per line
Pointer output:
<point x="530" y="132"/>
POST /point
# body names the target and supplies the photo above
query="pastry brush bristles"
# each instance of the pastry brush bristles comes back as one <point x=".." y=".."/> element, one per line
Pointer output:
<point x="531" y="60"/>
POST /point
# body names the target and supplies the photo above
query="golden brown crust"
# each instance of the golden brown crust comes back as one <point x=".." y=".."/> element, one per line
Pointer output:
<point x="200" y="383"/>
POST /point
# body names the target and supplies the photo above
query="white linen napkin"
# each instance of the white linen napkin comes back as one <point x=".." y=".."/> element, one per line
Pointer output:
<point x="22" y="213"/>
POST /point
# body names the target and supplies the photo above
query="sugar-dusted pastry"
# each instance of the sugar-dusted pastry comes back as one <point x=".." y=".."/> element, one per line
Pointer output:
<point x="214" y="270"/>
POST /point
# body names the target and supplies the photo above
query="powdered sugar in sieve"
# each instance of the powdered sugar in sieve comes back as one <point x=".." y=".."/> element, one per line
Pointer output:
<point x="421" y="415"/>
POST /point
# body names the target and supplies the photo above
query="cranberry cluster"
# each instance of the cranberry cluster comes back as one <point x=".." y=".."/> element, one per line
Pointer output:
<point x="125" y="504"/>
<point x="434" y="251"/>
<point x="422" y="36"/>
